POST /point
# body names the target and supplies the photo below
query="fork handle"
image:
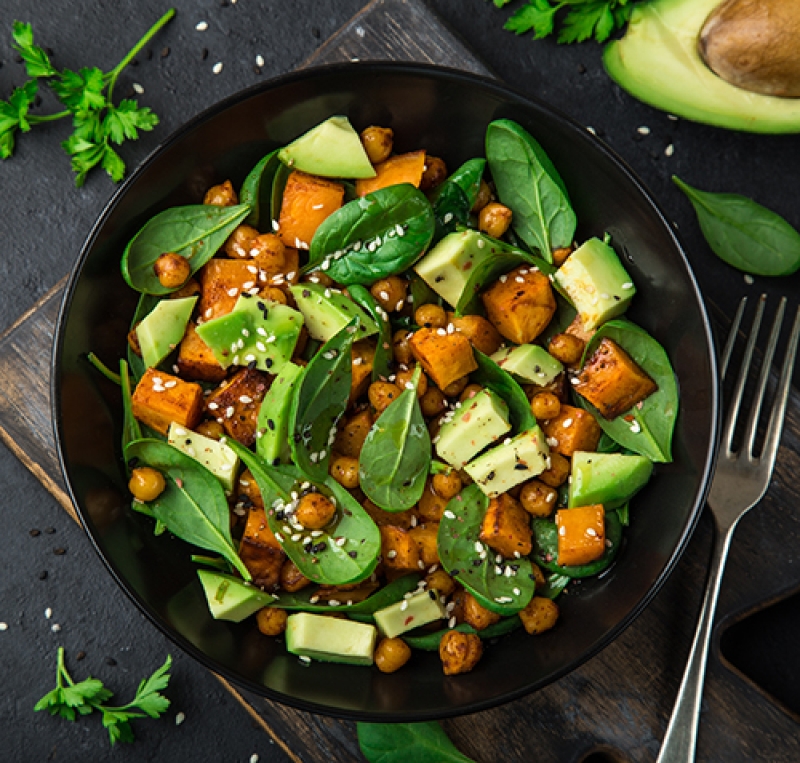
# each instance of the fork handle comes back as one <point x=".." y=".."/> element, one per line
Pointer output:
<point x="680" y="741"/>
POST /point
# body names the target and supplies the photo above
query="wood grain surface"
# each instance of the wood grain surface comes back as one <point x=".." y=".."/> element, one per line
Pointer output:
<point x="618" y="703"/>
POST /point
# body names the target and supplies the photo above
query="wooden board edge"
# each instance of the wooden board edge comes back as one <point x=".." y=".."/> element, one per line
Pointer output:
<point x="46" y="297"/>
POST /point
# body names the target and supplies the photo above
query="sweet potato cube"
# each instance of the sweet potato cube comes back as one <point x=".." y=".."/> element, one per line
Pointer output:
<point x="576" y="328"/>
<point x="401" y="519"/>
<point x="195" y="359"/>
<point x="363" y="354"/>
<point x="403" y="168"/>
<point x="235" y="404"/>
<point x="506" y="527"/>
<point x="444" y="357"/>
<point x="425" y="536"/>
<point x="520" y="304"/>
<point x="573" y="429"/>
<point x="260" y="550"/>
<point x="159" y="399"/>
<point x="482" y="334"/>
<point x="399" y="550"/>
<point x="612" y="381"/>
<point x="247" y="491"/>
<point x="221" y="283"/>
<point x="307" y="201"/>
<point x="581" y="534"/>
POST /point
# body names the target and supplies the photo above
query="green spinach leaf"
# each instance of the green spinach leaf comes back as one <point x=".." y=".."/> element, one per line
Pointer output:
<point x="403" y="742"/>
<point x="256" y="191"/>
<point x="453" y="200"/>
<point x="373" y="237"/>
<point x="744" y="234"/>
<point x="278" y="187"/>
<point x="384" y="356"/>
<point x="554" y="586"/>
<point x="429" y="642"/>
<point x="193" y="505"/>
<point x="421" y="293"/>
<point x="473" y="564"/>
<point x="528" y="183"/>
<point x="490" y="375"/>
<point x="396" y="456"/>
<point x="131" y="431"/>
<point x="194" y="232"/>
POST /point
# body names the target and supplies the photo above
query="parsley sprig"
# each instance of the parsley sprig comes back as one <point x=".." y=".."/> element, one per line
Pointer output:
<point x="87" y="96"/>
<point x="579" y="20"/>
<point x="70" y="699"/>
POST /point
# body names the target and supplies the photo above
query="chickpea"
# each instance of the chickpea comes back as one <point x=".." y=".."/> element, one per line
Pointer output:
<point x="567" y="348"/>
<point x="560" y="255"/>
<point x="469" y="392"/>
<point x="314" y="511"/>
<point x="401" y="347"/>
<point x="133" y="342"/>
<point x="323" y="279"/>
<point x="172" y="270"/>
<point x="382" y="395"/>
<point x="558" y="472"/>
<point x="433" y="402"/>
<point x="431" y="316"/>
<point x="483" y="197"/>
<point x="378" y="143"/>
<point x="240" y="242"/>
<point x="221" y="195"/>
<point x="545" y="406"/>
<point x="269" y="254"/>
<point x="454" y="389"/>
<point x="477" y="615"/>
<point x="190" y="289"/>
<point x="440" y="581"/>
<point x="391" y="654"/>
<point x="146" y="483"/>
<point x="447" y="485"/>
<point x="211" y="428"/>
<point x="274" y="294"/>
<point x="538" y="576"/>
<point x="390" y="293"/>
<point x="539" y="616"/>
<point x="494" y="219"/>
<point x="350" y="438"/>
<point x="404" y="377"/>
<point x="459" y="652"/>
<point x="538" y="499"/>
<point x="292" y="580"/>
<point x="271" y="621"/>
<point x="434" y="174"/>
<point x="344" y="469"/>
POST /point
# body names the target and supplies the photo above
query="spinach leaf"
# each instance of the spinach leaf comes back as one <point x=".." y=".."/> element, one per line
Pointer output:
<point x="473" y="564"/>
<point x="490" y="375"/>
<point x="554" y="586"/>
<point x="373" y="237"/>
<point x="131" y="431"/>
<point x="744" y="234"/>
<point x="429" y="642"/>
<point x="256" y="191"/>
<point x="402" y="742"/>
<point x="421" y="293"/>
<point x="528" y="183"/>
<point x="195" y="232"/>
<point x="103" y="368"/>
<point x="278" y="187"/>
<point x="396" y="455"/>
<point x="384" y="355"/>
<point x="318" y="401"/>
<point x="193" y="505"/>
<point x="453" y="200"/>
<point x="345" y="552"/>
<point x="646" y="429"/>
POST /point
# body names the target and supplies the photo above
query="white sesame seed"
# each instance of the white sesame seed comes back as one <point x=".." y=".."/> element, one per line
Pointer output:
<point x="748" y="279"/>
<point x="137" y="88"/>
<point x="170" y="384"/>
<point x="449" y="514"/>
<point x="503" y="279"/>
<point x="590" y="531"/>
<point x="213" y="406"/>
<point x="627" y="285"/>
<point x="55" y="627"/>
<point x="201" y="26"/>
<point x="643" y="130"/>
<point x="451" y="623"/>
<point x="391" y="554"/>
<point x="404" y="605"/>
<point x="562" y="530"/>
<point x="669" y="150"/>
<point x="591" y="130"/>
<point x="48" y="613"/>
<point x="259" y="60"/>
<point x="3" y="626"/>
<point x="275" y="225"/>
<point x="447" y="218"/>
<point x="233" y="292"/>
<point x="334" y="603"/>
<point x="246" y="399"/>
<point x="567" y="423"/>
<point x="229" y="411"/>
<point x="180" y="718"/>
<point x="635" y="428"/>
<point x="217" y="68"/>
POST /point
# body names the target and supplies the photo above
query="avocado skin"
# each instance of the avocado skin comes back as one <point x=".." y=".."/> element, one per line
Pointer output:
<point x="657" y="61"/>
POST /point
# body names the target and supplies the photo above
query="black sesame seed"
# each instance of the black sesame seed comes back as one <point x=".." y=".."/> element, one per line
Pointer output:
<point x="34" y="533"/>
<point x="316" y="32"/>
<point x="297" y="437"/>
<point x="164" y="52"/>
<point x="43" y="575"/>
<point x="204" y="54"/>
<point x="353" y="554"/>
<point x="306" y="293"/>
<point x="276" y="461"/>
<point x="490" y="476"/>
<point x="438" y="279"/>
<point x="271" y="424"/>
<point x="477" y="562"/>
<point x="50" y="530"/>
<point x="251" y="366"/>
<point x="321" y="546"/>
<point x="111" y="661"/>
<point x="455" y="572"/>
<point x="532" y="576"/>
<point x="520" y="466"/>
<point x="256" y="70"/>
<point x="268" y="362"/>
<point x="432" y="594"/>
<point x="80" y="656"/>
<point x="60" y="551"/>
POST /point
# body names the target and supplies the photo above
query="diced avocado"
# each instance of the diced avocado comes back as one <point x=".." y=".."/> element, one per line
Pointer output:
<point x="161" y="331"/>
<point x="477" y="423"/>
<point x="328" y="311"/>
<point x="596" y="282"/>
<point x="230" y="598"/>
<point x="608" y="478"/>
<point x="447" y="267"/>
<point x="329" y="639"/>
<point x="272" y="436"/>
<point x="410" y="613"/>
<point x="332" y="149"/>
<point x="529" y="363"/>
<point x="256" y="331"/>
<point x="217" y="457"/>
<point x="514" y="461"/>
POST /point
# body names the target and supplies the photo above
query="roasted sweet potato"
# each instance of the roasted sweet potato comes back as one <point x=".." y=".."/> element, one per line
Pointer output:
<point x="235" y="404"/>
<point x="581" y="534"/>
<point x="195" y="359"/>
<point x="247" y="491"/>
<point x="572" y="429"/>
<point x="159" y="399"/>
<point x="482" y="335"/>
<point x="520" y="304"/>
<point x="540" y="615"/>
<point x="506" y="527"/>
<point x="402" y="519"/>
<point x="292" y="580"/>
<point x="402" y="168"/>
<point x="612" y="381"/>
<point x="260" y="550"/>
<point x="444" y="357"/>
<point x="307" y="201"/>
<point x="221" y="282"/>
<point x="399" y="551"/>
<point x="425" y="538"/>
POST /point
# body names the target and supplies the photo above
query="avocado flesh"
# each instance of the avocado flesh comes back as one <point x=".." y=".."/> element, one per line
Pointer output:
<point x="216" y="456"/>
<point x="272" y="437"/>
<point x="657" y="61"/>
<point x="410" y="613"/>
<point x="161" y="331"/>
<point x="608" y="478"/>
<point x="232" y="599"/>
<point x="327" y="311"/>
<point x="327" y="639"/>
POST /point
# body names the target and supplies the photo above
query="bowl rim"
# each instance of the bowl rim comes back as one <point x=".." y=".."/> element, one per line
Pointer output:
<point x="365" y="69"/>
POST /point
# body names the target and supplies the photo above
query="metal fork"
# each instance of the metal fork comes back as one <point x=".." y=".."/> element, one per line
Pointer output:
<point x="740" y="481"/>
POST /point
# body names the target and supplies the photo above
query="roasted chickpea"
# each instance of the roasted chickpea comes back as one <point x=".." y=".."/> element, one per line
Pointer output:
<point x="350" y="438"/>
<point x="378" y="143"/>
<point x="545" y="406"/>
<point x="560" y="255"/>
<point x="434" y="174"/>
<point x="538" y="499"/>
<point x="431" y="316"/>
<point x="274" y="294"/>
<point x="133" y="341"/>
<point x="481" y="333"/>
<point x="390" y="293"/>
<point x="146" y="483"/>
<point x="483" y="198"/>
<point x="431" y="506"/>
<point x="538" y="576"/>
<point x="172" y="270"/>
<point x="494" y="219"/>
<point x="454" y="389"/>
<point x="433" y="402"/>
<point x="447" y="485"/>
<point x="271" y="621"/>
<point x="240" y="242"/>
<point x="344" y="469"/>
<point x="382" y="395"/>
<point x="558" y="472"/>
<point x="469" y="392"/>
<point x="441" y="582"/>
<point x="401" y="347"/>
<point x="221" y="195"/>
<point x="211" y="428"/>
<point x="476" y="615"/>
<point x="292" y="580"/>
<point x="391" y="654"/>
<point x="314" y="511"/>
<point x="459" y="652"/>
<point x="540" y="615"/>
<point x="323" y="279"/>
<point x="403" y="378"/>
<point x="435" y="424"/>
<point x="269" y="254"/>
<point x="566" y="348"/>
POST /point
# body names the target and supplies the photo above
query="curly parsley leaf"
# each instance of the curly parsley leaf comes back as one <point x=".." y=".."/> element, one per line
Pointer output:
<point x="81" y="91"/>
<point x="14" y="115"/>
<point x="537" y="16"/>
<point x="125" y="120"/>
<point x="37" y="62"/>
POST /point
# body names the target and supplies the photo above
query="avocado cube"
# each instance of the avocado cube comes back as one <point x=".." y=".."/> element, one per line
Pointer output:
<point x="216" y="456"/>
<point x="327" y="311"/>
<point x="329" y="639"/>
<point x="596" y="282"/>
<point x="230" y="598"/>
<point x="529" y="364"/>
<point x="272" y="436"/>
<point x="608" y="478"/>
<point x="419" y="609"/>
<point x="516" y="460"/>
<point x="479" y="422"/>
<point x="162" y="329"/>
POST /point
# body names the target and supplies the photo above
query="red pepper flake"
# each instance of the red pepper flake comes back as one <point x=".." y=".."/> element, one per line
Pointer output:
<point x="409" y="620"/>
<point x="179" y="482"/>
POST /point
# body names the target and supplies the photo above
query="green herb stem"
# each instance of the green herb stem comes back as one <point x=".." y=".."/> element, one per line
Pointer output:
<point x="35" y="119"/>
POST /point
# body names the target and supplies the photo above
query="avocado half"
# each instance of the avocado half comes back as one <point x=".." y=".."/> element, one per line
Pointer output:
<point x="657" y="62"/>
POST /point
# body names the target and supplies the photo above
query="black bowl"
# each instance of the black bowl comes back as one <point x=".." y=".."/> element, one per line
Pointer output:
<point x="445" y="112"/>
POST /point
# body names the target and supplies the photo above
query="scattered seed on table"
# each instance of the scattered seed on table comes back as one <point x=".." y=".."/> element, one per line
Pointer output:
<point x="34" y="533"/>
<point x="669" y="150"/>
<point x="201" y="26"/>
<point x="43" y="575"/>
<point x="180" y="718"/>
<point x="55" y="627"/>
<point x="80" y="655"/>
<point x="259" y="60"/>
<point x="111" y="662"/>
<point x="748" y="279"/>
<point x="164" y="52"/>
<point x="204" y="54"/>
<point x="50" y="530"/>
<point x="643" y="130"/>
<point x="60" y="551"/>
<point x="217" y="67"/>
<point x="254" y="758"/>
<point x="48" y="613"/>
<point x="137" y="88"/>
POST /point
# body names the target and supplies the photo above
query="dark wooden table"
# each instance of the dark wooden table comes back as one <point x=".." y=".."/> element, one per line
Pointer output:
<point x="614" y="707"/>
